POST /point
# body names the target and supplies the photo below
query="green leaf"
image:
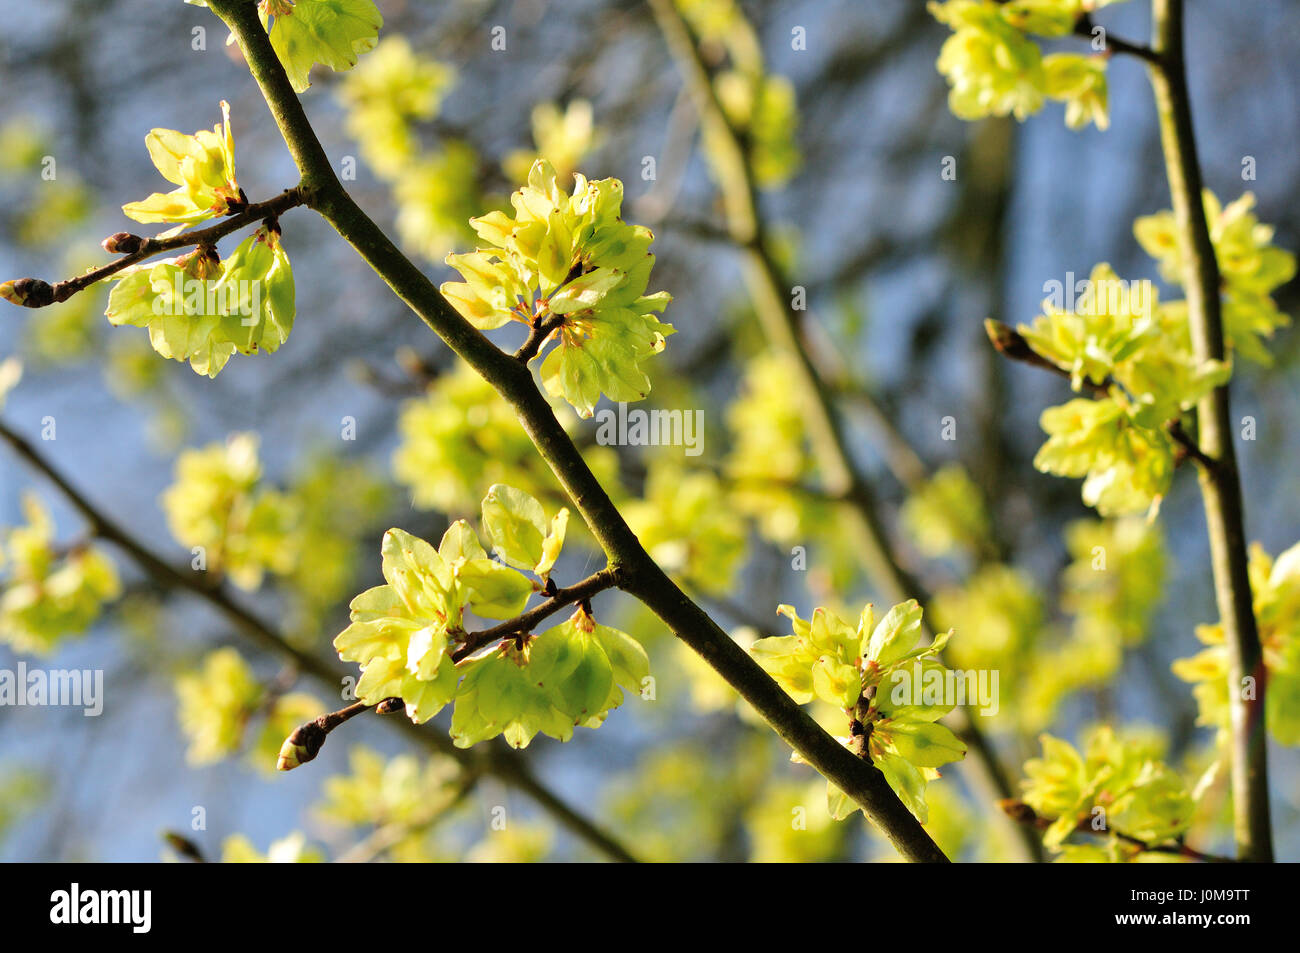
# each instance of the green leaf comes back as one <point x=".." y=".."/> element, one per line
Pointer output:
<point x="570" y="256"/>
<point x="202" y="165"/>
<point x="400" y="632"/>
<point x="1079" y="82"/>
<point x="330" y="32"/>
<point x="515" y="524"/>
<point x="783" y="657"/>
<point x="839" y="804"/>
<point x="495" y="591"/>
<point x="1044" y="17"/>
<point x="379" y="628"/>
<point x="49" y="592"/>
<point x="199" y="310"/>
<point x="1056" y="780"/>
<point x="256" y="294"/>
<point x="460" y="543"/>
<point x="502" y="693"/>
<point x="418" y="574"/>
<point x="1283" y="704"/>
<point x="424" y="698"/>
<point x="570" y="675"/>
<point x="586" y="291"/>
<point x="992" y="68"/>
<point x="895" y="635"/>
<point x="627" y="657"/>
<point x="552" y="544"/>
<point x="583" y="677"/>
<point x="425" y="651"/>
<point x="906" y="781"/>
<point x="923" y="743"/>
<point x="1128" y="467"/>
<point x="489" y="294"/>
<point x="836" y="683"/>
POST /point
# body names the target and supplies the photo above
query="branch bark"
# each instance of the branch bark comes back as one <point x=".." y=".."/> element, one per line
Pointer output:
<point x="1220" y="483"/>
<point x="640" y="575"/>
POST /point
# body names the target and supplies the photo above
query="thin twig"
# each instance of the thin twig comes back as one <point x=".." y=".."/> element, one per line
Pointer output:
<point x="149" y="247"/>
<point x="1025" y="815"/>
<point x="305" y="741"/>
<point x="1011" y="344"/>
<point x="1187" y="447"/>
<point x="1114" y="44"/>
<point x="525" y="622"/>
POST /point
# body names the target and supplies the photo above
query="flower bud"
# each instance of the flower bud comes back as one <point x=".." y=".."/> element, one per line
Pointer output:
<point x="27" y="292"/>
<point x="122" y="243"/>
<point x="301" y="746"/>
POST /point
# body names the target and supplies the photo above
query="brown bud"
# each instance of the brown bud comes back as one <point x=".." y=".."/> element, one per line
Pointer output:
<point x="122" y="243"/>
<point x="1007" y="340"/>
<point x="1018" y="811"/>
<point x="183" y="846"/>
<point x="389" y="705"/>
<point x="28" y="292"/>
<point x="301" y="746"/>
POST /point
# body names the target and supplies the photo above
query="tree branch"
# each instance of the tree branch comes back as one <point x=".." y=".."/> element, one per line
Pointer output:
<point x="559" y="598"/>
<point x="1220" y="484"/>
<point x="641" y="576"/>
<point x="43" y="294"/>
<point x="1114" y="44"/>
<point x="1022" y="813"/>
<point x="504" y="765"/>
<point x="1011" y="344"/>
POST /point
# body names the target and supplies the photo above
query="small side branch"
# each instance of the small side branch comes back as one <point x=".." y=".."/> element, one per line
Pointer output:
<point x="1114" y="44"/>
<point x="1010" y="343"/>
<point x="1022" y="813"/>
<point x="542" y="330"/>
<point x="1187" y="448"/>
<point x="35" y="293"/>
<point x="578" y="593"/>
